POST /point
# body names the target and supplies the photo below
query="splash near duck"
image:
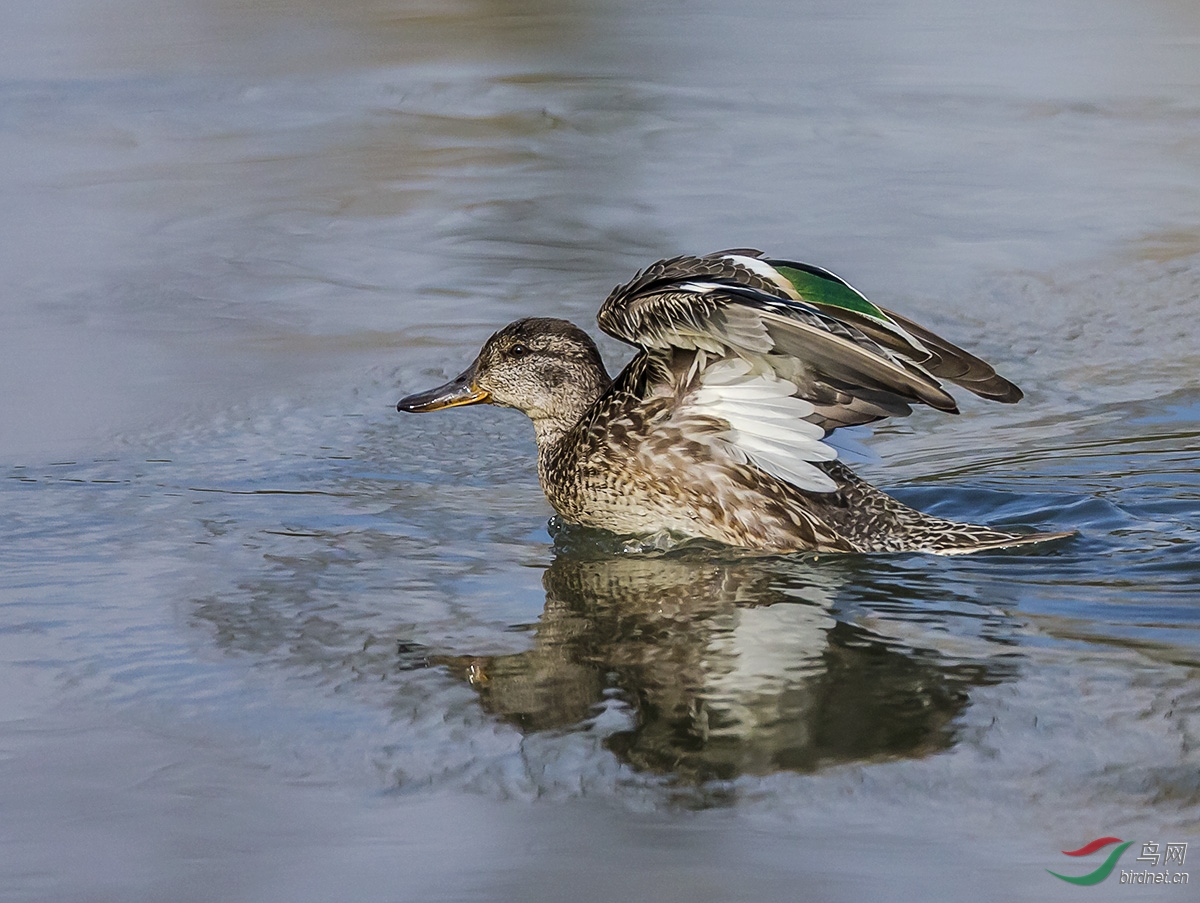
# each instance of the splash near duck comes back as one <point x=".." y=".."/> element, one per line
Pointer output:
<point x="720" y="427"/>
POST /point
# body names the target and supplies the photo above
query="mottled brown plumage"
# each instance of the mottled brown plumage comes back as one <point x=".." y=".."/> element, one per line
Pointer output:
<point x="717" y="428"/>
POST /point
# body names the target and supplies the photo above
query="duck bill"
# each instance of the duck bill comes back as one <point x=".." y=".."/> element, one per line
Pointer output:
<point x="459" y="391"/>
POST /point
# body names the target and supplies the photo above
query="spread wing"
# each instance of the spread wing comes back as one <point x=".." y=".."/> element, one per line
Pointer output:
<point x="785" y="353"/>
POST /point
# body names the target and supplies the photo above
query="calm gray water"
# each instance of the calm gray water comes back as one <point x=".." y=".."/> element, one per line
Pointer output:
<point x="264" y="639"/>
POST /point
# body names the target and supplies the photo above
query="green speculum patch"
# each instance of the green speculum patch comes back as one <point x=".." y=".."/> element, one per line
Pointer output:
<point x="822" y="290"/>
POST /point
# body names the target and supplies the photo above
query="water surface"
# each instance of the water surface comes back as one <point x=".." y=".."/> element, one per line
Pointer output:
<point x="263" y="638"/>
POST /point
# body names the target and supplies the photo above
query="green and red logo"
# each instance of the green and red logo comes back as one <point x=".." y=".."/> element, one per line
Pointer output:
<point x="1153" y="854"/>
<point x="1106" y="867"/>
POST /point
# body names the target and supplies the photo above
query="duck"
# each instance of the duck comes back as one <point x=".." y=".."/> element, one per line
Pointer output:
<point x="722" y="426"/>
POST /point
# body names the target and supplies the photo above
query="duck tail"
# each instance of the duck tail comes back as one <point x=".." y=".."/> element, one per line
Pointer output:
<point x="966" y="539"/>
<point x="873" y="521"/>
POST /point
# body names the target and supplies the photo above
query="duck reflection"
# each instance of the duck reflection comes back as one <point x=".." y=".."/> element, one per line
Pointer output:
<point x="726" y="668"/>
<point x="688" y="664"/>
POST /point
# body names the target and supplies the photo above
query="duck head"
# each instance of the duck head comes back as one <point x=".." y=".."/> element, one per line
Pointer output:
<point x="549" y="369"/>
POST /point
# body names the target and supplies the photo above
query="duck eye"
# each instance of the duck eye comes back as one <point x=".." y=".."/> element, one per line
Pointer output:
<point x="518" y="350"/>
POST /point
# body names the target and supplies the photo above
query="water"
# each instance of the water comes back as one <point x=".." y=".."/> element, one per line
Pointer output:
<point x="262" y="638"/>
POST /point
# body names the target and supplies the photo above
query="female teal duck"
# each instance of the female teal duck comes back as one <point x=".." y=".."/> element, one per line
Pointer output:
<point x="716" y="429"/>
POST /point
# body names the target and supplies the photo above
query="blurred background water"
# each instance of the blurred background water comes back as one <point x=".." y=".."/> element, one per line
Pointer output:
<point x="262" y="638"/>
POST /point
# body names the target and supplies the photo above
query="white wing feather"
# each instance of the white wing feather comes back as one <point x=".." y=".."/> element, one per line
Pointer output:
<point x="766" y="422"/>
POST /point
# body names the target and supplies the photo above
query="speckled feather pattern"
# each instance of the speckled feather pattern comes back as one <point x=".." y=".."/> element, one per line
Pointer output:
<point x="633" y="467"/>
<point x="716" y="429"/>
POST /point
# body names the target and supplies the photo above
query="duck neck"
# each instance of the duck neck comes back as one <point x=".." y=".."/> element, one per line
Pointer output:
<point x="551" y="429"/>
